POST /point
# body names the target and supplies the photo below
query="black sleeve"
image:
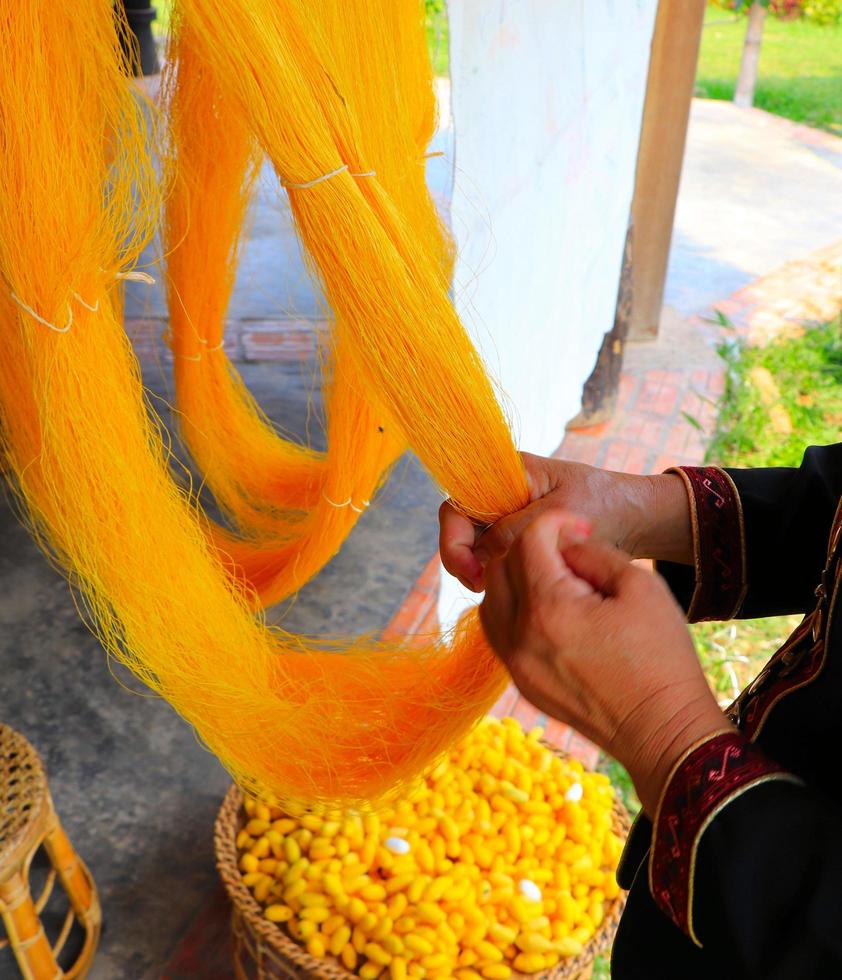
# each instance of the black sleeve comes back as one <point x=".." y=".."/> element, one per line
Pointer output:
<point x="747" y="861"/>
<point x="767" y="885"/>
<point x="787" y="516"/>
<point x="760" y="537"/>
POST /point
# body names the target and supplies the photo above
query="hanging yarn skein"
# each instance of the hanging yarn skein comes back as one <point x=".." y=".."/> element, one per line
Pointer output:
<point x="291" y="718"/>
<point x="253" y="472"/>
<point x="407" y="342"/>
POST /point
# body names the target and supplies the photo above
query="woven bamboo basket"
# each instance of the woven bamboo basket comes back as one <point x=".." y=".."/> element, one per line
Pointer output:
<point x="263" y="950"/>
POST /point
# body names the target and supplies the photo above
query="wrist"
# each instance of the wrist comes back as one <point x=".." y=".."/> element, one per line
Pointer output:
<point x="659" y="756"/>
<point x="658" y="518"/>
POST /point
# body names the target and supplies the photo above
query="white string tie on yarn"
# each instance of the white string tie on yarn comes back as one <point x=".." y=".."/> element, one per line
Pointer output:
<point x="40" y="319"/>
<point x="318" y="180"/>
<point x="133" y="276"/>
<point x="348" y="503"/>
<point x="194" y="357"/>
<point x="136" y="276"/>
<point x="93" y="309"/>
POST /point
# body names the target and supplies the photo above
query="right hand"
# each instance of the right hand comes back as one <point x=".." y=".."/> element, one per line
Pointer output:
<point x="600" y="645"/>
<point x="645" y="516"/>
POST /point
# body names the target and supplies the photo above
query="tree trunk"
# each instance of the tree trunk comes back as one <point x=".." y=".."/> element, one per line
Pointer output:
<point x="744" y="95"/>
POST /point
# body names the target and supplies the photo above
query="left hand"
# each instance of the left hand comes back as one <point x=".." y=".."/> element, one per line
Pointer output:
<point x="600" y="644"/>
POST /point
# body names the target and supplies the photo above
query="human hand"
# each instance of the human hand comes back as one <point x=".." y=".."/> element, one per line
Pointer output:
<point x="600" y="644"/>
<point x="646" y="516"/>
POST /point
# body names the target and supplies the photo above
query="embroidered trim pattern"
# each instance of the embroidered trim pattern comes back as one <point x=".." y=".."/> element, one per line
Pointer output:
<point x="801" y="659"/>
<point x="718" y="543"/>
<point x="709" y="777"/>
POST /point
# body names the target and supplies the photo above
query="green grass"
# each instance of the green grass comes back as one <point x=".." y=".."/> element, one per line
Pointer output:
<point x="621" y="781"/>
<point x="601" y="968"/>
<point x="806" y="370"/>
<point x="732" y="654"/>
<point x="800" y="74"/>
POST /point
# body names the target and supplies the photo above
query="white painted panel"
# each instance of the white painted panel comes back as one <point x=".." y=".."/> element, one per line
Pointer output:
<point x="547" y="97"/>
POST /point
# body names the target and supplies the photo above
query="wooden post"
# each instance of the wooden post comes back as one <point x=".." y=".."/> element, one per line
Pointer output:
<point x="599" y="396"/>
<point x="669" y="90"/>
<point x="747" y="79"/>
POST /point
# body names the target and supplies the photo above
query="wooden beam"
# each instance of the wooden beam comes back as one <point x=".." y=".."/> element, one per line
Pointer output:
<point x="669" y="90"/>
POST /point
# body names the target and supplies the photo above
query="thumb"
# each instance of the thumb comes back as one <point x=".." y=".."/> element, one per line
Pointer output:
<point x="535" y="561"/>
<point x="496" y="539"/>
<point x="605" y="568"/>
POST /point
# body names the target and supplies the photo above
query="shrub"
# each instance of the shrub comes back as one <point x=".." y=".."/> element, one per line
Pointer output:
<point x="825" y="12"/>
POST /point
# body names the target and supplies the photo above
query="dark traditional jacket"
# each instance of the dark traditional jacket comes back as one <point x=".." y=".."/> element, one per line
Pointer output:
<point x="741" y="874"/>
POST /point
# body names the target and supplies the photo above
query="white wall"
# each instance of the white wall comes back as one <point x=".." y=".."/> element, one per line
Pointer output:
<point x="547" y="97"/>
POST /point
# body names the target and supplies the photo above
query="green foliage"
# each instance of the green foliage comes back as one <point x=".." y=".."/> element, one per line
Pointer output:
<point x="800" y="73"/>
<point x="825" y="12"/>
<point x="163" y="13"/>
<point x="437" y="35"/>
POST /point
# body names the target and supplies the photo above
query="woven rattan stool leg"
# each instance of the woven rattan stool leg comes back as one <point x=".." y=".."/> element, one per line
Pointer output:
<point x="81" y="892"/>
<point x="26" y="935"/>
<point x="28" y="822"/>
<point x="72" y="872"/>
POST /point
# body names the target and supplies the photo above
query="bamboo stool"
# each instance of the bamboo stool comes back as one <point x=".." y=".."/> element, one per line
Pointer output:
<point x="28" y="821"/>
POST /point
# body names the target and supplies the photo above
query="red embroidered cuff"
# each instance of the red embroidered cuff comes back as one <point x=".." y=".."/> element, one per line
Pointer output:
<point x="707" y="778"/>
<point x="718" y="543"/>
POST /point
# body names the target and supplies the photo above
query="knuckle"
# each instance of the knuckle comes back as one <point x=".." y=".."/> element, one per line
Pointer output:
<point x="498" y="538"/>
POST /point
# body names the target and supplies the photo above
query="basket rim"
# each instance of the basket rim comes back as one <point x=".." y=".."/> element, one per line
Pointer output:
<point x="246" y="908"/>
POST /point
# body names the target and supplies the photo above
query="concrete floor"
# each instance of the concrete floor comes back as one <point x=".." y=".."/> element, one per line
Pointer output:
<point x="135" y="791"/>
<point x="756" y="191"/>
